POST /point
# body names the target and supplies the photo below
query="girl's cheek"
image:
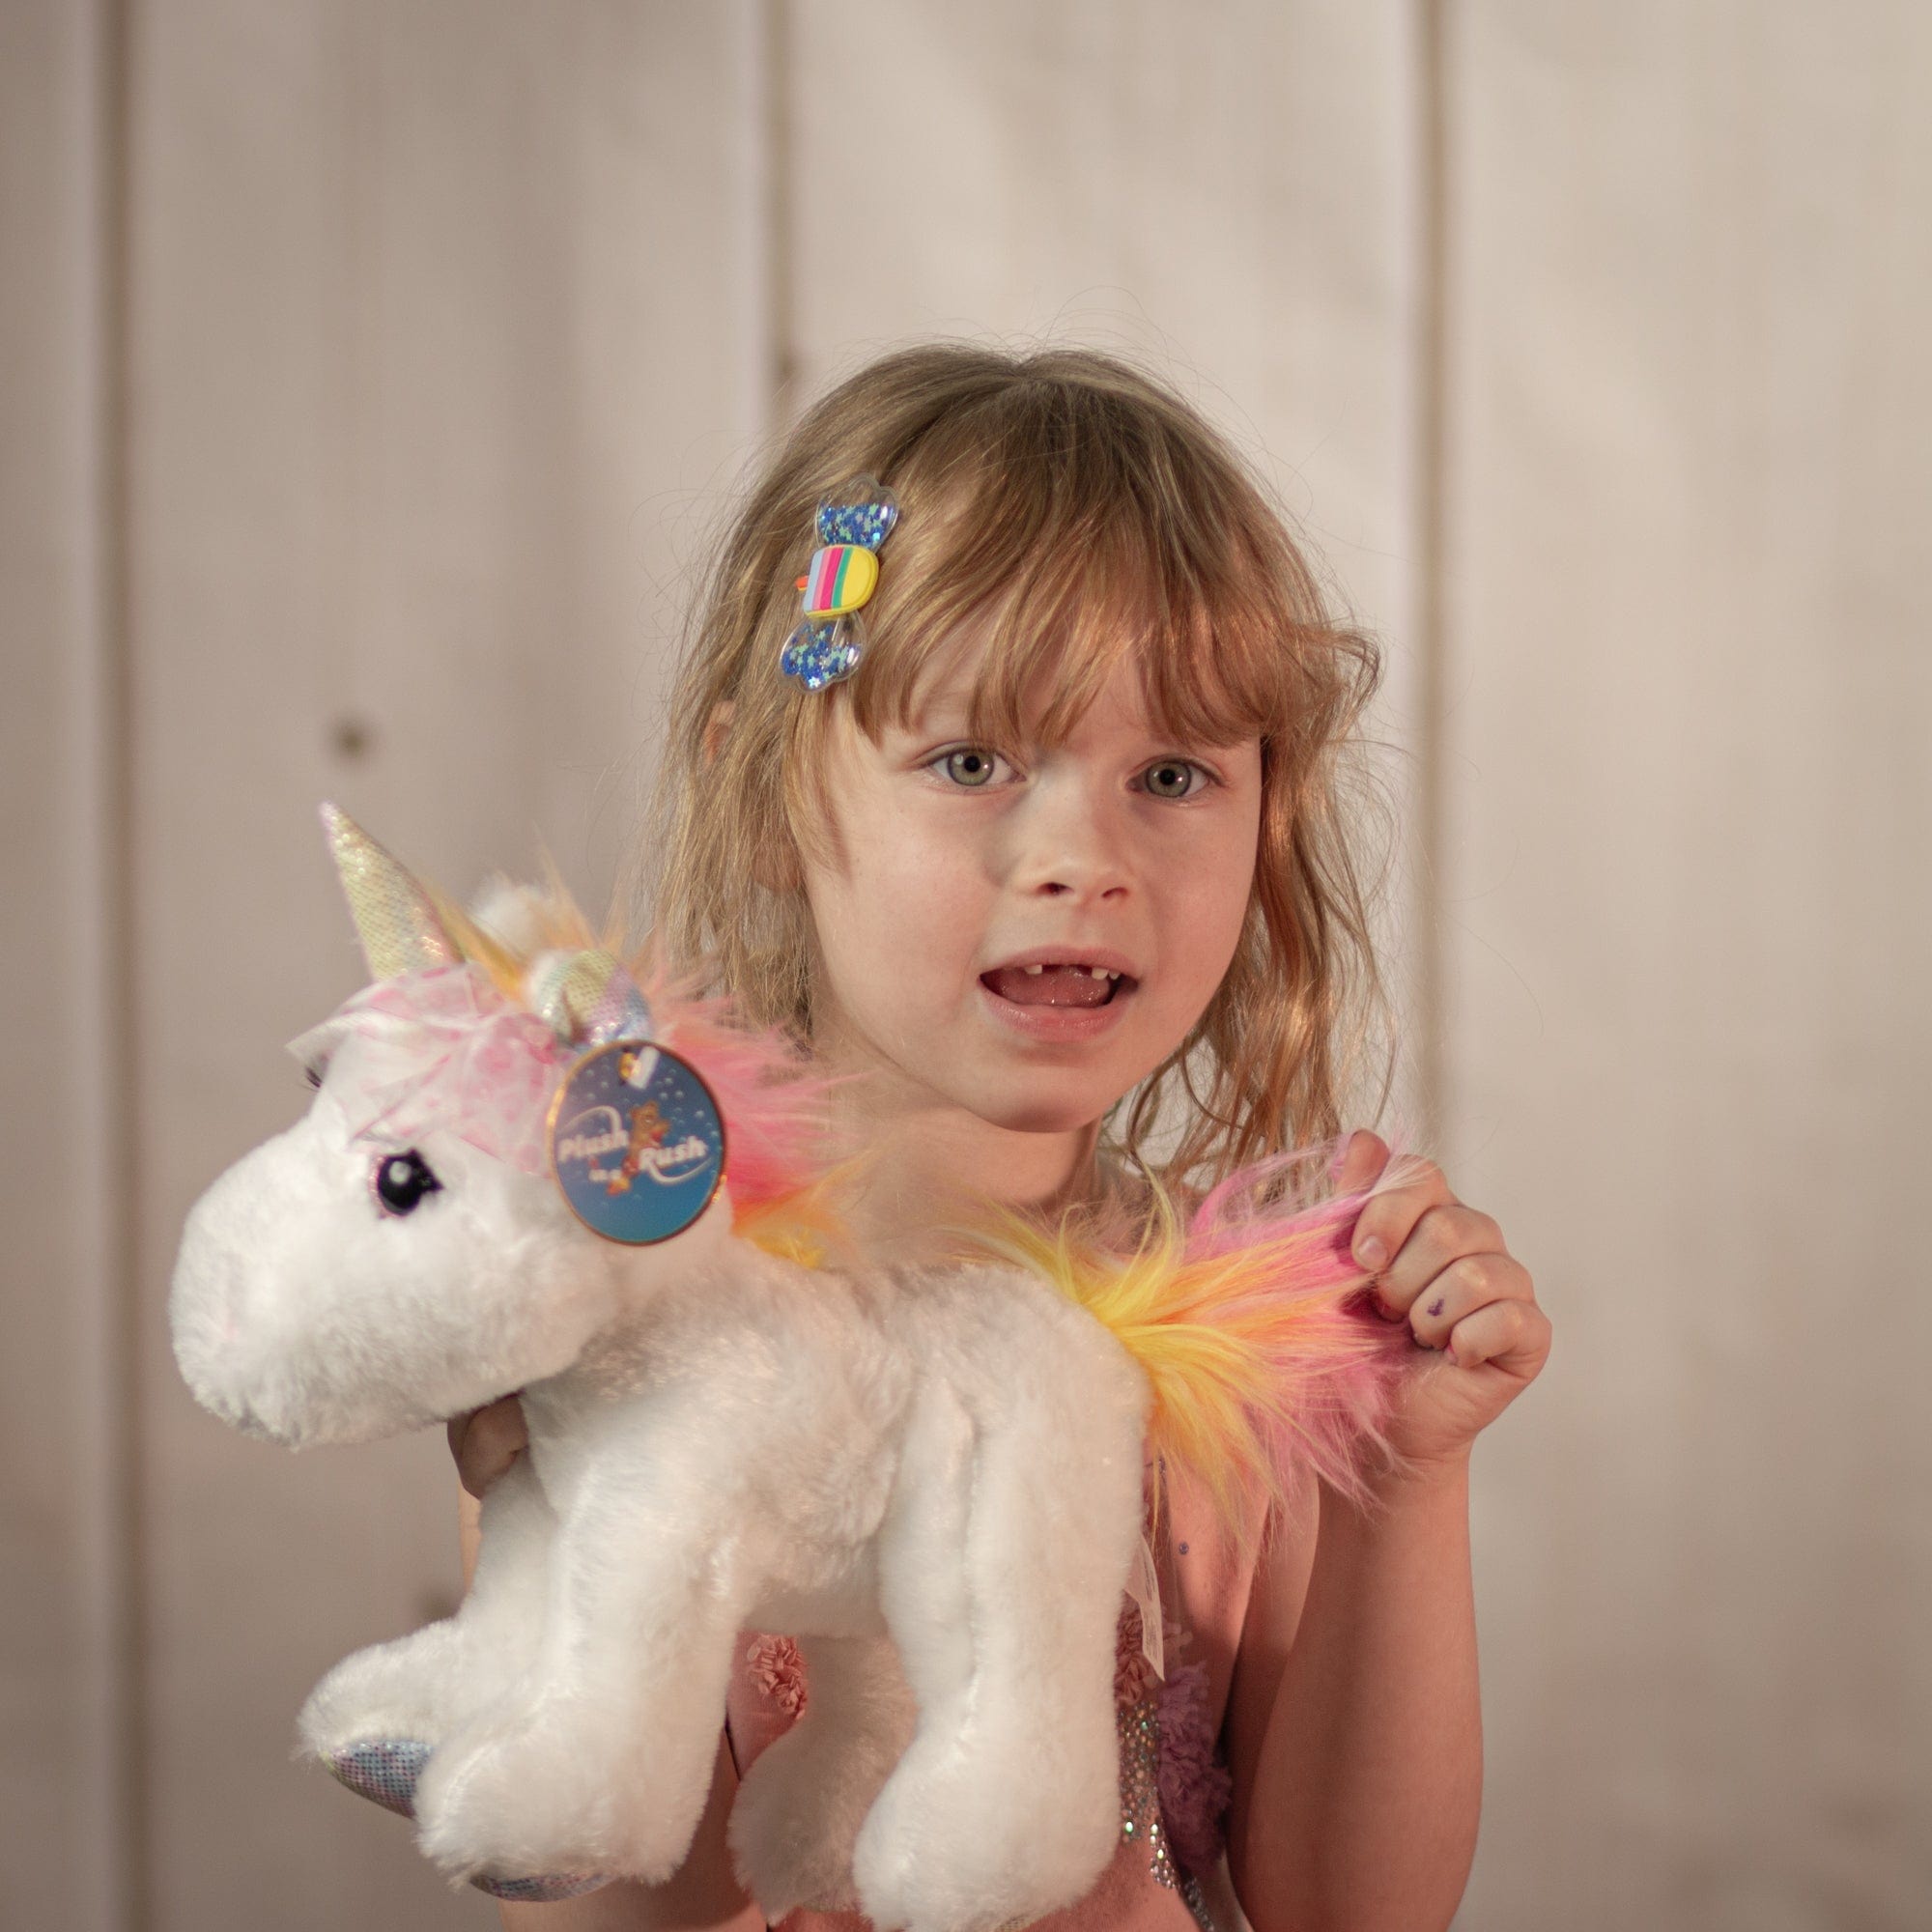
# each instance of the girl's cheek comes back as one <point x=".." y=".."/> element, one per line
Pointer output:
<point x="922" y="867"/>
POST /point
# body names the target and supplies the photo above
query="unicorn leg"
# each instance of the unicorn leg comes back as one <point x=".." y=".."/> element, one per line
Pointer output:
<point x="599" y="1758"/>
<point x="1002" y="1564"/>
<point x="387" y="1706"/>
<point x="802" y="1803"/>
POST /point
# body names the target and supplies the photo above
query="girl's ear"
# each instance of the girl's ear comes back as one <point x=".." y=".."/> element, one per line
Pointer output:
<point x="777" y="870"/>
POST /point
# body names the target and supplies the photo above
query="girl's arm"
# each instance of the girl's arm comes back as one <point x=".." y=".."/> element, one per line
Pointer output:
<point x="702" y="1893"/>
<point x="1354" y="1733"/>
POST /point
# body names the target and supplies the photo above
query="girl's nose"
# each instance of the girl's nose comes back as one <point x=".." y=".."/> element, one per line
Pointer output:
<point x="1070" y="848"/>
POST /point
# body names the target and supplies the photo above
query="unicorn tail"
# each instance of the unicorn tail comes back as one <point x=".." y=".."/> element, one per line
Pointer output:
<point x="1250" y="1324"/>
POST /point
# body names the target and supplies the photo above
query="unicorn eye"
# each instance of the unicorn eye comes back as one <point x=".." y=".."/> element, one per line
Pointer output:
<point x="402" y="1181"/>
<point x="312" y="1075"/>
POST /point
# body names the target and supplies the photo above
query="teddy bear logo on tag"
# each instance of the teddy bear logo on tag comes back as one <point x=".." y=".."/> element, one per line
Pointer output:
<point x="636" y="1143"/>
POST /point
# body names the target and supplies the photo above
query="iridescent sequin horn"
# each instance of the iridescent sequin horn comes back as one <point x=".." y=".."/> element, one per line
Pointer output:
<point x="837" y="583"/>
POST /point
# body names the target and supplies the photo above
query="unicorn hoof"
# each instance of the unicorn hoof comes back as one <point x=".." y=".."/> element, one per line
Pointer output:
<point x="383" y="1770"/>
<point x="539" y="1890"/>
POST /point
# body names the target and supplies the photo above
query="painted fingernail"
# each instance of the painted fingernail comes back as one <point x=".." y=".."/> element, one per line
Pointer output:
<point x="1387" y="1313"/>
<point x="1373" y="1254"/>
<point x="1436" y="1306"/>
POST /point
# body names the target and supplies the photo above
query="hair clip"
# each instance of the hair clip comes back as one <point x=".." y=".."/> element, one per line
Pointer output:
<point x="841" y="578"/>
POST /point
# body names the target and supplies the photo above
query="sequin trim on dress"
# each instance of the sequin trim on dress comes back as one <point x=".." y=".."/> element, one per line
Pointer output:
<point x="1139" y="1726"/>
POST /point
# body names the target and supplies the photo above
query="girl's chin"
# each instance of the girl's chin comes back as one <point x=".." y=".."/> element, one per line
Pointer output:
<point x="1047" y="1105"/>
<point x="1024" y="1121"/>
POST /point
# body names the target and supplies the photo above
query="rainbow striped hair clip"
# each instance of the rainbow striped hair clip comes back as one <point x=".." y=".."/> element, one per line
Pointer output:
<point x="837" y="583"/>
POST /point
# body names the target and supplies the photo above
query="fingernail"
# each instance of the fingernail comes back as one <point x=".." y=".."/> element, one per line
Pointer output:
<point x="1341" y="1159"/>
<point x="1372" y="1253"/>
<point x="1387" y="1313"/>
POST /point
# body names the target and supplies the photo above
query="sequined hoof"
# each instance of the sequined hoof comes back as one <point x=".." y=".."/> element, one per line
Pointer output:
<point x="383" y="1770"/>
<point x="546" y="1890"/>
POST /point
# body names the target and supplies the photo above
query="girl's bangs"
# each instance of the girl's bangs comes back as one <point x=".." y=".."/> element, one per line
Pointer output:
<point x="1058" y="587"/>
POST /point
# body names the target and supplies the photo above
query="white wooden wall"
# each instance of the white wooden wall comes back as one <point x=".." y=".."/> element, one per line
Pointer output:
<point x="1686" y="936"/>
<point x="368" y="374"/>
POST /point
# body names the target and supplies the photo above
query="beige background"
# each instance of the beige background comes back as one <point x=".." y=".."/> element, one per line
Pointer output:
<point x="370" y="373"/>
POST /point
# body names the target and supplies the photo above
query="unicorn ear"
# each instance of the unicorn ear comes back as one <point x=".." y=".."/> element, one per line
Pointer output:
<point x="587" y="998"/>
<point x="395" y="918"/>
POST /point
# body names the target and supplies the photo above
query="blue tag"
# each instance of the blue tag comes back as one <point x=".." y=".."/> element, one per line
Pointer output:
<point x="636" y="1142"/>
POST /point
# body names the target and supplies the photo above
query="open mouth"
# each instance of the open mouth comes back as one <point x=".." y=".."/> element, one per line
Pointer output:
<point x="1063" y="984"/>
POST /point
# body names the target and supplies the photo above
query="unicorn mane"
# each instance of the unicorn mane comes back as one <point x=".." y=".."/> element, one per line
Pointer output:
<point x="783" y="1184"/>
<point x="786" y="1186"/>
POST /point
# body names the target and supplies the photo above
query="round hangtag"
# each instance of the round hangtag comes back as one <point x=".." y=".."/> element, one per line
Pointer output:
<point x="636" y="1142"/>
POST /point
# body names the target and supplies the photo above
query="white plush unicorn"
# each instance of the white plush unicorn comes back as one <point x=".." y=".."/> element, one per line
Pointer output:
<point x="932" y="1477"/>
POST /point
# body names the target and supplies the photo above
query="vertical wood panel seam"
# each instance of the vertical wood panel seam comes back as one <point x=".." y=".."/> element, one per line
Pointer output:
<point x="781" y="332"/>
<point x="115" y="983"/>
<point x="1430" y="148"/>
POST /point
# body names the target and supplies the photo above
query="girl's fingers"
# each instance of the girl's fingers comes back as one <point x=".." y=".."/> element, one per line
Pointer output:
<point x="1511" y="1335"/>
<point x="1440" y="1234"/>
<point x="485" y="1441"/>
<point x="1359" y="1164"/>
<point x="1469" y="1282"/>
<point x="1387" y="1220"/>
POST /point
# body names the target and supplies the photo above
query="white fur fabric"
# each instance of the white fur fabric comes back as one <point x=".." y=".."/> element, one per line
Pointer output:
<point x="949" y="1459"/>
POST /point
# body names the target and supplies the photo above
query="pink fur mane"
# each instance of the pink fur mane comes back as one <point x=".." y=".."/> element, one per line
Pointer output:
<point x="455" y="1052"/>
<point x="774" y="1106"/>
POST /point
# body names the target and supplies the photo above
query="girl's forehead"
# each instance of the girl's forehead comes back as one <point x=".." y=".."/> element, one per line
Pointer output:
<point x="967" y="683"/>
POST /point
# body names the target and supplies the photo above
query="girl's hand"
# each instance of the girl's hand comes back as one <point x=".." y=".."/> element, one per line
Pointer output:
<point x="1443" y="1269"/>
<point x="485" y="1441"/>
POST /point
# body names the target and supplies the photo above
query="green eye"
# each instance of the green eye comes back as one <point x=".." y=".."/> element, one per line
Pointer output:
<point x="1172" y="778"/>
<point x="968" y="766"/>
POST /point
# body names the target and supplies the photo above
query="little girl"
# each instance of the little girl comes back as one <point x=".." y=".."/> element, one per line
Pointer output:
<point x="1058" y="864"/>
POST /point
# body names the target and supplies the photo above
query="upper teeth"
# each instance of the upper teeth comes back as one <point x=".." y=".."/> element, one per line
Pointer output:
<point x="1098" y="972"/>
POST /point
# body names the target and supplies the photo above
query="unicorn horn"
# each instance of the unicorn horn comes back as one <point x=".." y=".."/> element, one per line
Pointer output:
<point x="395" y="918"/>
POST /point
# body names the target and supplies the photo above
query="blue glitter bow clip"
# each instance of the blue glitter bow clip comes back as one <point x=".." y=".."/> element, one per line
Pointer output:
<point x="837" y="582"/>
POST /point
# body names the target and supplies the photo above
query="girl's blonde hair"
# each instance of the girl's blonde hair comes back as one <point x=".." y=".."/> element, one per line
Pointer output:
<point x="1087" y="516"/>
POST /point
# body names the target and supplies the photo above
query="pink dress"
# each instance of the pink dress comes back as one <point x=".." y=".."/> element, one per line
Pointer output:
<point x="1173" y="1787"/>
